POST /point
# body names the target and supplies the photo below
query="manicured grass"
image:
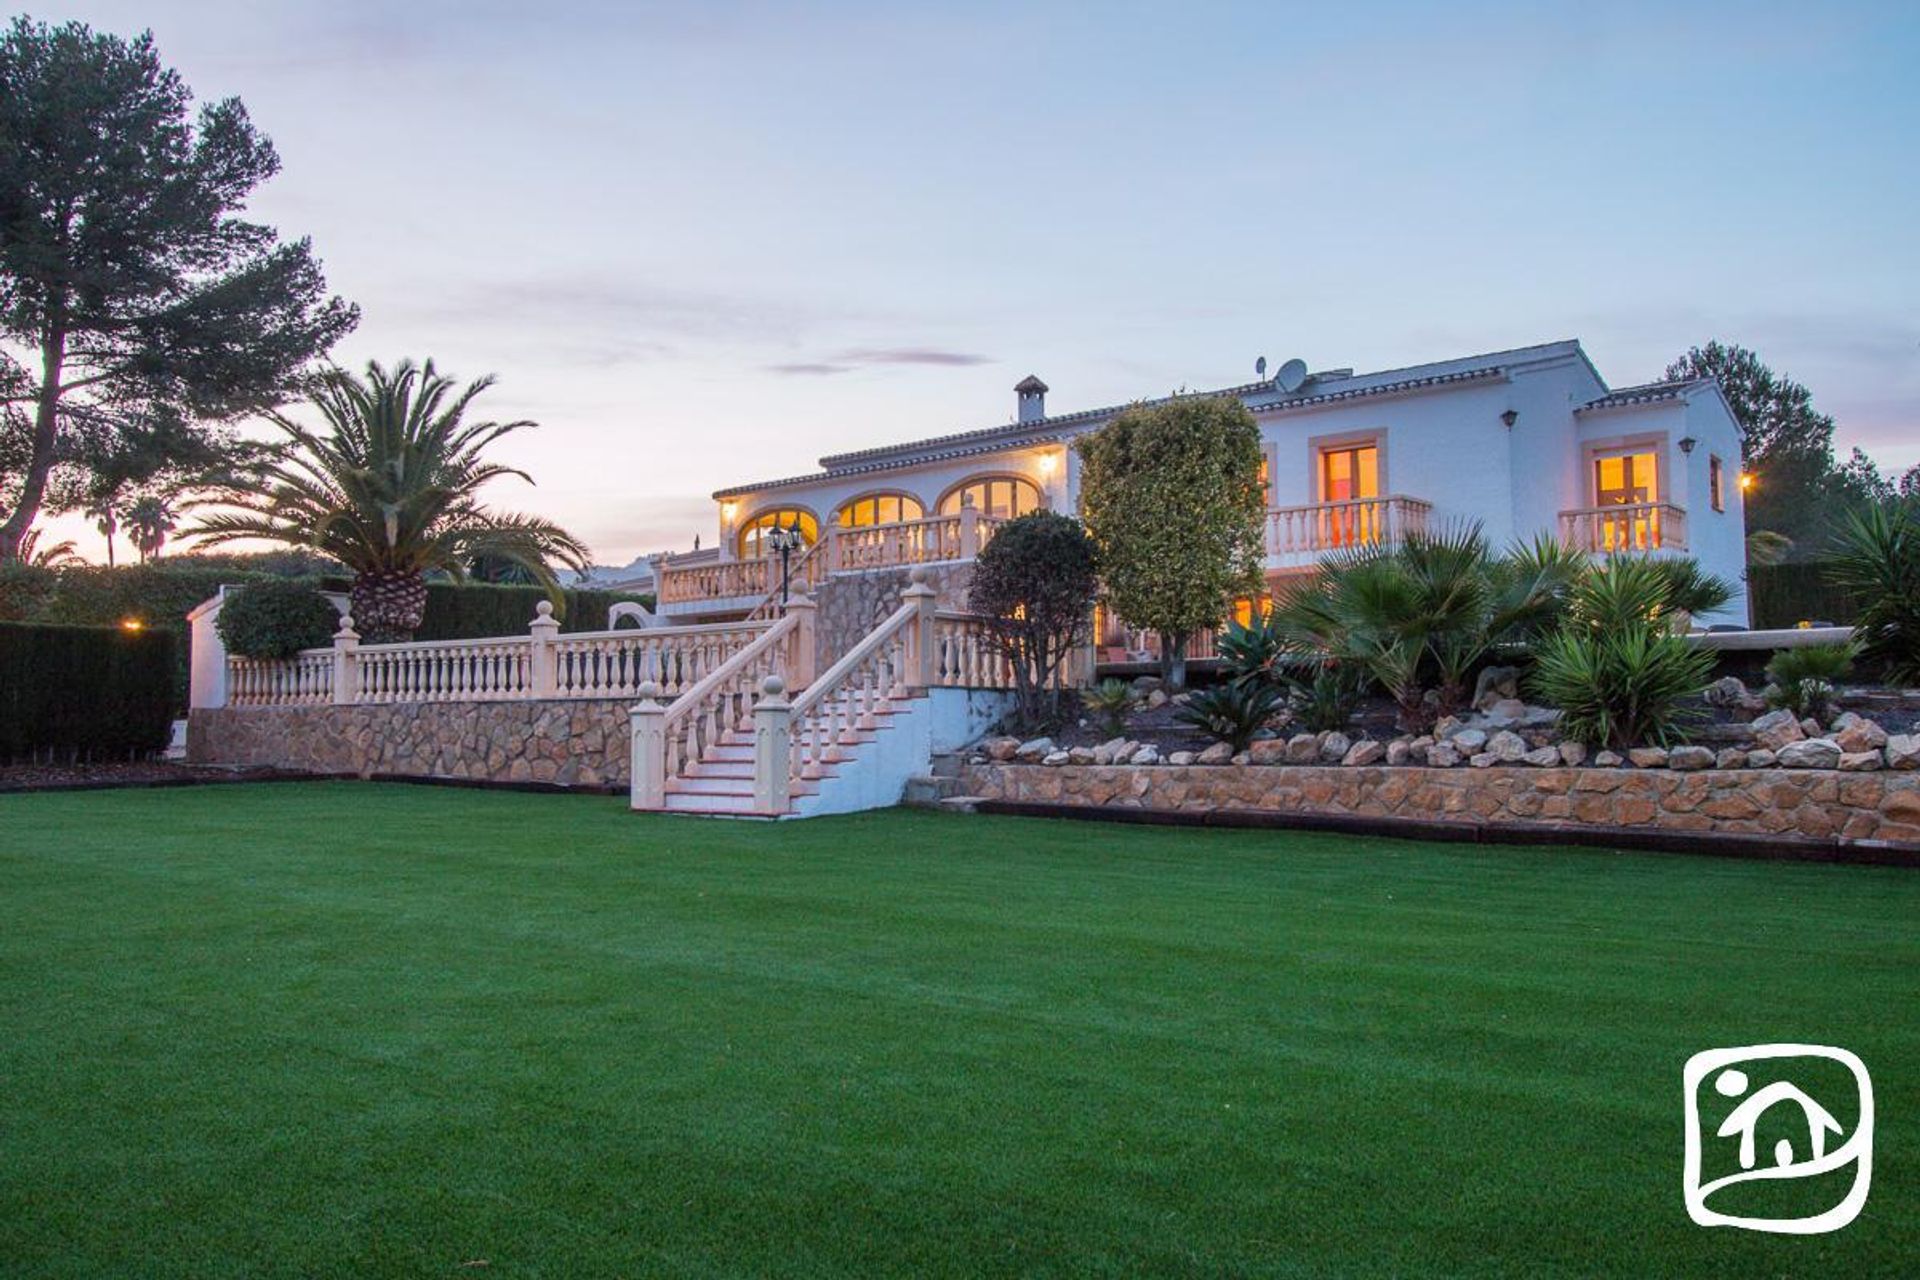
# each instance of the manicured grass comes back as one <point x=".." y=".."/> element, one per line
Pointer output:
<point x="339" y="1029"/>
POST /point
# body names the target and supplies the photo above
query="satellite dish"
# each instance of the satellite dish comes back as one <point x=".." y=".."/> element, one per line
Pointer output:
<point x="1292" y="376"/>
<point x="1260" y="367"/>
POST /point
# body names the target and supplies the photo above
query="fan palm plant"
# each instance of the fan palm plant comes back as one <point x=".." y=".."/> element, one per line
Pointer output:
<point x="1878" y="560"/>
<point x="389" y="487"/>
<point x="55" y="555"/>
<point x="148" y="521"/>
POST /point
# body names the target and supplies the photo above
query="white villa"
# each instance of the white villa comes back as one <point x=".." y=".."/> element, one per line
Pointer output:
<point x="1526" y="442"/>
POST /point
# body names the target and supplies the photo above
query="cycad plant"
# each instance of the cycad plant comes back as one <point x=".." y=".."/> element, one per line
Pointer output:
<point x="1878" y="560"/>
<point x="1803" y="679"/>
<point x="389" y="486"/>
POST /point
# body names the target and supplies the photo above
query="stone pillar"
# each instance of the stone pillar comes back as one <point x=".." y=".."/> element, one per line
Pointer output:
<point x="772" y="748"/>
<point x="969" y="527"/>
<point x="649" y="750"/>
<point x="832" y="550"/>
<point x="922" y="638"/>
<point x="803" y="657"/>
<point x="544" y="629"/>
<point x="346" y="663"/>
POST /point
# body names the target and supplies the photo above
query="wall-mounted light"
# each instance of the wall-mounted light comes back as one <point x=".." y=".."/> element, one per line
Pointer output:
<point x="1508" y="418"/>
<point x="1687" y="443"/>
<point x="1746" y="481"/>
<point x="728" y="510"/>
<point x="1047" y="463"/>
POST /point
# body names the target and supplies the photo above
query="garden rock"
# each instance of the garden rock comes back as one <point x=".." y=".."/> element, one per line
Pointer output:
<point x="1033" y="749"/>
<point x="1113" y="749"/>
<point x="1541" y="758"/>
<point x="1366" y="751"/>
<point x="1861" y="762"/>
<point x="1002" y="749"/>
<point x="1218" y="753"/>
<point x="1239" y="759"/>
<point x="1303" y="748"/>
<point x="1486" y="759"/>
<point x="1469" y="740"/>
<point x="1056" y="758"/>
<point x="1730" y="758"/>
<point x="1607" y="760"/>
<point x="1573" y="754"/>
<point x="1334" y="747"/>
<point x="1506" y="745"/>
<point x="1080" y="755"/>
<point x="1776" y="729"/>
<point x="1494" y="684"/>
<point x="1265" y="751"/>
<point x="1903" y="751"/>
<point x="1156" y="699"/>
<point x="1858" y="734"/>
<point x="1761" y="759"/>
<point x="1180" y="757"/>
<point x="1727" y="692"/>
<point x="1811" y="753"/>
<point x="1399" y="752"/>
<point x="1148" y="754"/>
<point x="1445" y="727"/>
<point x="1811" y="728"/>
<point x="1648" y="757"/>
<point x="1688" y="759"/>
<point x="1442" y="755"/>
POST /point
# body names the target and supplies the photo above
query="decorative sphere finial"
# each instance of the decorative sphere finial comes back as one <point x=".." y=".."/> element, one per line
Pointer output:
<point x="918" y="575"/>
<point x="648" y="689"/>
<point x="773" y="686"/>
<point x="544" y="608"/>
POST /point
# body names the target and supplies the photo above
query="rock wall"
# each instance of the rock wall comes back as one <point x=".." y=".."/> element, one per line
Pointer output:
<point x="569" y="742"/>
<point x="853" y="604"/>
<point x="1817" y="804"/>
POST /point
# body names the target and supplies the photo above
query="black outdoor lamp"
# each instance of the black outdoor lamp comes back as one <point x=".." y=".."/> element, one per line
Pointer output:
<point x="786" y="540"/>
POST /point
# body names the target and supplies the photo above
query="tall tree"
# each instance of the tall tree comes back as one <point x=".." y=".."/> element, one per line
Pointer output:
<point x="1171" y="498"/>
<point x="149" y="519"/>
<point x="139" y="311"/>
<point x="390" y="489"/>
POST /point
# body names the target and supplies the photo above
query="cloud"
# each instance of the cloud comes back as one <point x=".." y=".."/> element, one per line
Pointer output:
<point x="867" y="357"/>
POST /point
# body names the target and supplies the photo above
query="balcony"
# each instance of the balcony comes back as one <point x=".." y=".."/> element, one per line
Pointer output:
<point x="1298" y="537"/>
<point x="1633" y="528"/>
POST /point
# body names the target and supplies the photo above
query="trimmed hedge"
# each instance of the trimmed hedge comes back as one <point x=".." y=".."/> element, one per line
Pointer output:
<point x="84" y="691"/>
<point x="1785" y="595"/>
<point x="472" y="610"/>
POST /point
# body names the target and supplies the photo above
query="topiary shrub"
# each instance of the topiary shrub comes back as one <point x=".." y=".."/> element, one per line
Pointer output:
<point x="1035" y="583"/>
<point x="275" y="620"/>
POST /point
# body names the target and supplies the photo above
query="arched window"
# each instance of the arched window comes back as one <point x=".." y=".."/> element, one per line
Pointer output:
<point x="1003" y="496"/>
<point x="881" y="508"/>
<point x="754" y="532"/>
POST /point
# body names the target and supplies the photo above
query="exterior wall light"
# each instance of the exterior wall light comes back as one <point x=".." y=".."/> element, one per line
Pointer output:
<point x="1047" y="463"/>
<point x="1687" y="443"/>
<point x="1508" y="418"/>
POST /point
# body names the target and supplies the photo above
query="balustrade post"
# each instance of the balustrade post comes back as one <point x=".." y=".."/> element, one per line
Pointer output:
<point x="832" y="550"/>
<point x="804" y="656"/>
<point x="346" y="663"/>
<point x="544" y="628"/>
<point x="772" y="748"/>
<point x="922" y="635"/>
<point x="969" y="527"/>
<point x="648" y="756"/>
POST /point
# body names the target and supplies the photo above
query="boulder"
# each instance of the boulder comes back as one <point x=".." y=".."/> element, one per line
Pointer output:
<point x="1156" y="699"/>
<point x="1810" y="753"/>
<point x="1811" y="727"/>
<point x="1607" y="760"/>
<point x="1730" y="758"/>
<point x="1761" y="759"/>
<point x="1144" y="685"/>
<point x="1002" y="748"/>
<point x="1056" y="758"/>
<point x="1541" y="758"/>
<point x="1495" y="684"/>
<point x="1859" y="734"/>
<point x="1180" y="757"/>
<point x="1573" y="753"/>
<point x="1399" y="752"/>
<point x="1776" y="729"/>
<point x="1240" y="758"/>
<point x="1726" y="692"/>
<point x="1445" y="727"/>
<point x="1218" y="753"/>
<point x="1690" y="758"/>
<point x="1365" y="751"/>
<point x="1334" y="747"/>
<point x="1148" y="754"/>
<point x="1485" y="760"/>
<point x="1506" y="745"/>
<point x="1506" y="711"/>
<point x="1648" y="757"/>
<point x="1080" y="755"/>
<point x="1033" y="749"/>
<point x="1903" y="751"/>
<point x="1861" y="762"/>
<point x="1469" y="740"/>
<point x="1442" y="755"/>
<point x="1303" y="748"/>
<point x="1265" y="751"/>
<point x="1113" y="749"/>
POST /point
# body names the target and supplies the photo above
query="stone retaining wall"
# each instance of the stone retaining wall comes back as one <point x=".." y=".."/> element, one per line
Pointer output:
<point x="576" y="742"/>
<point x="1819" y="804"/>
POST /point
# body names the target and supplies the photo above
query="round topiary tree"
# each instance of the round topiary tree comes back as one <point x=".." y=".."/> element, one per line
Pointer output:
<point x="1035" y="582"/>
<point x="275" y="620"/>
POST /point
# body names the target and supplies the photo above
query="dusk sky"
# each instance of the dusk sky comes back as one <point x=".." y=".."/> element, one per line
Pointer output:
<point x="707" y="243"/>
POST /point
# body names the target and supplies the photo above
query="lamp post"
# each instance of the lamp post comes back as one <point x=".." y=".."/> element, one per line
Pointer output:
<point x="786" y="540"/>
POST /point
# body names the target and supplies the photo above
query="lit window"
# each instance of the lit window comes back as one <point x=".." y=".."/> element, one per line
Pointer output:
<point x="1717" y="483"/>
<point x="1628" y="480"/>
<point x="881" y="508"/>
<point x="1350" y="474"/>
<point x="754" y="532"/>
<point x="1002" y="497"/>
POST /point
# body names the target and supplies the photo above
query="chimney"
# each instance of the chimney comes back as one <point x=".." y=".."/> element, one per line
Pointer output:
<point x="1033" y="398"/>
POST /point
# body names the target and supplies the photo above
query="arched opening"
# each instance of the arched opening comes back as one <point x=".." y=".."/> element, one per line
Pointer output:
<point x="754" y="531"/>
<point x="880" y="508"/>
<point x="1000" y="496"/>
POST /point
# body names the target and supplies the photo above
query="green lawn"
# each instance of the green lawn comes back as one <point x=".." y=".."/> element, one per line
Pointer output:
<point x="338" y="1029"/>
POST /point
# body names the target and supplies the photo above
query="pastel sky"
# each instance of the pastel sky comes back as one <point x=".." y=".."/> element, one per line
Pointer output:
<point x="705" y="243"/>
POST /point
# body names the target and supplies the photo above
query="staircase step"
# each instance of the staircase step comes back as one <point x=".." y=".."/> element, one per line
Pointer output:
<point x="736" y="806"/>
<point x="926" y="790"/>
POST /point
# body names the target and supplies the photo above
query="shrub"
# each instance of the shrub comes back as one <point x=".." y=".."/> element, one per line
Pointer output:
<point x="1256" y="651"/>
<point x="1878" y="561"/>
<point x="469" y="610"/>
<point x="1620" y="686"/>
<point x="1785" y="595"/>
<point x="1325" y="696"/>
<point x="1803" y="679"/>
<point x="1231" y="713"/>
<point x="84" y="691"/>
<point x="1110" y="700"/>
<point x="275" y="620"/>
<point x="1035" y="584"/>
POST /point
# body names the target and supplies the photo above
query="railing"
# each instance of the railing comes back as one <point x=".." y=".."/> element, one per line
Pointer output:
<point x="1303" y="534"/>
<point x="967" y="655"/>
<point x="830" y="713"/>
<point x="719" y="703"/>
<point x="717" y="580"/>
<point x="909" y="542"/>
<point x="808" y="571"/>
<point x="304" y="680"/>
<point x="541" y="664"/>
<point x="1625" y="528"/>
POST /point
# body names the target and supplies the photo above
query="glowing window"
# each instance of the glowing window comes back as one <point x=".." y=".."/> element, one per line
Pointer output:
<point x="1623" y="479"/>
<point x="1000" y="496"/>
<point x="1350" y="474"/>
<point x="881" y="508"/>
<point x="1717" y="483"/>
<point x="753" y="534"/>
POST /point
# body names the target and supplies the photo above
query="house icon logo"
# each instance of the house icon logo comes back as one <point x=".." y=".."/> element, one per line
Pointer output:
<point x="1808" y="1142"/>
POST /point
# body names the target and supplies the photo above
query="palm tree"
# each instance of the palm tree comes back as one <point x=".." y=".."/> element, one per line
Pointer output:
<point x="389" y="488"/>
<point x="148" y="521"/>
<point x="55" y="556"/>
<point x="105" y="510"/>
